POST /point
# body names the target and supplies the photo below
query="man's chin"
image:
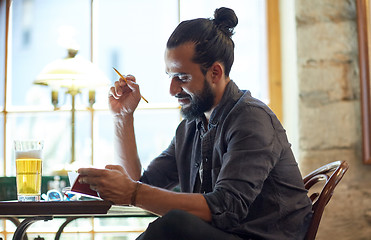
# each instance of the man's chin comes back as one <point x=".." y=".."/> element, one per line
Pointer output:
<point x="188" y="114"/>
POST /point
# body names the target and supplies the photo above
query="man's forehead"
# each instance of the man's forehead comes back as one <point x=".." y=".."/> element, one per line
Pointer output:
<point x="173" y="67"/>
<point x="176" y="58"/>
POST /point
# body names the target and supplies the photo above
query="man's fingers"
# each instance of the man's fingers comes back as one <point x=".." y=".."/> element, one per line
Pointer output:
<point x="94" y="187"/>
<point x="121" y="86"/>
<point x="91" y="172"/>
<point x="114" y="167"/>
<point x="113" y="93"/>
<point x="133" y="85"/>
<point x="131" y="78"/>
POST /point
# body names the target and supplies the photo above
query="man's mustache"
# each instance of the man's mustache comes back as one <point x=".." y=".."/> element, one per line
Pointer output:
<point x="180" y="95"/>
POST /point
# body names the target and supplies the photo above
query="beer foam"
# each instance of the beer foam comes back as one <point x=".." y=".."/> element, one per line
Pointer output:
<point x="28" y="154"/>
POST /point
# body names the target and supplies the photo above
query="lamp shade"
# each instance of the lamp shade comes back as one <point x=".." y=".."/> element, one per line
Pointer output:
<point x="72" y="72"/>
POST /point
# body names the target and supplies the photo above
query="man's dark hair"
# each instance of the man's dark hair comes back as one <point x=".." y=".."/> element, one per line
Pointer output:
<point x="212" y="38"/>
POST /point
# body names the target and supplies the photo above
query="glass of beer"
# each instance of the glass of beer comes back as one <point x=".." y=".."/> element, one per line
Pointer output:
<point x="28" y="169"/>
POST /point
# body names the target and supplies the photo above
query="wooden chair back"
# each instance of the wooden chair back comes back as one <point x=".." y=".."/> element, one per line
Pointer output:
<point x="330" y="174"/>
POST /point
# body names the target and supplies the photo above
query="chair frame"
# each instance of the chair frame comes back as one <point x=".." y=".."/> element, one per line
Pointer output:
<point x="320" y="200"/>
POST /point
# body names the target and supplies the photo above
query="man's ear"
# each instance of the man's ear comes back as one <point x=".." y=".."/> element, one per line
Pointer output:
<point x="217" y="72"/>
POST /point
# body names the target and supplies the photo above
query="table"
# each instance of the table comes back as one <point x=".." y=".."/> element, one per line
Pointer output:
<point x="45" y="211"/>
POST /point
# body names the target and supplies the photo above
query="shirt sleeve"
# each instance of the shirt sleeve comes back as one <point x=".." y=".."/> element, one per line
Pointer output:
<point x="252" y="150"/>
<point x="162" y="171"/>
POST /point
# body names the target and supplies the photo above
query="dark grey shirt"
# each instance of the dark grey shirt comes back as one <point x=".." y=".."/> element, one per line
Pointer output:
<point x="257" y="189"/>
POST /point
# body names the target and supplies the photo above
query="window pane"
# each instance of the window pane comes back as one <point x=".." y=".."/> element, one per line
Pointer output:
<point x="52" y="226"/>
<point x="154" y="130"/>
<point x="42" y="29"/>
<point x="10" y="226"/>
<point x="82" y="139"/>
<point x="2" y="225"/>
<point x="249" y="70"/>
<point x="78" y="225"/>
<point x="103" y="139"/>
<point x="116" y="236"/>
<point x="64" y="236"/>
<point x="132" y="37"/>
<point x="124" y="224"/>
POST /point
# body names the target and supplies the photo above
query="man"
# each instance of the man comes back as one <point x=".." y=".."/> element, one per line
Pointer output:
<point x="230" y="156"/>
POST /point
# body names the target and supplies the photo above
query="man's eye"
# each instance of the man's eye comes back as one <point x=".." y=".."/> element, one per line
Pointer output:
<point x="181" y="77"/>
<point x="184" y="77"/>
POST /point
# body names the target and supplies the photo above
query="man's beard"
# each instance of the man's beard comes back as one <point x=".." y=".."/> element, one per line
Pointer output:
<point x="200" y="103"/>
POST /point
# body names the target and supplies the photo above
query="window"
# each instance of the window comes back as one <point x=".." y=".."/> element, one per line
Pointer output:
<point x="124" y="35"/>
<point x="128" y="35"/>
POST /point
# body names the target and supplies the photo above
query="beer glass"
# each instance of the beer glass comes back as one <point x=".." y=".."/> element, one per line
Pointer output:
<point x="28" y="169"/>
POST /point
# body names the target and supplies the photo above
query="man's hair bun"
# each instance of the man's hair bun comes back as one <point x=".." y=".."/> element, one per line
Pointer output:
<point x="211" y="37"/>
<point x="226" y="20"/>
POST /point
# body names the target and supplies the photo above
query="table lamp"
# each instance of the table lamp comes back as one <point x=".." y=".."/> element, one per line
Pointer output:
<point x="72" y="73"/>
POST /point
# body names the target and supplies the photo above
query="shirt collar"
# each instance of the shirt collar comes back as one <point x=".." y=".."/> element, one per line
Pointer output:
<point x="231" y="95"/>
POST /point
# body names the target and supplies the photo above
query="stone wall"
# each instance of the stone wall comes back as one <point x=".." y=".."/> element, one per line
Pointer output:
<point x="329" y="111"/>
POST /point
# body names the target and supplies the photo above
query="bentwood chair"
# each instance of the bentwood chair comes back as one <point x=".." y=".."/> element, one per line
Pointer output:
<point x="330" y="174"/>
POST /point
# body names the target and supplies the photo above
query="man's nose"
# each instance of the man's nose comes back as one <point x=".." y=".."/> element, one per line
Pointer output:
<point x="175" y="87"/>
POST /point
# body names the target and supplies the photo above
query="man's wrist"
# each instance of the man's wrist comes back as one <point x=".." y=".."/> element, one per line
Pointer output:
<point x="123" y="118"/>
<point x="134" y="195"/>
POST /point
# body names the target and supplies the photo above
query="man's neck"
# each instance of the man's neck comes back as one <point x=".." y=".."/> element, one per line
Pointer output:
<point x="218" y="98"/>
<point x="208" y="114"/>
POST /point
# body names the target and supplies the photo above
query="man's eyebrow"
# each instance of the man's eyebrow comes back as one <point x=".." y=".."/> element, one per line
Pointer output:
<point x="176" y="74"/>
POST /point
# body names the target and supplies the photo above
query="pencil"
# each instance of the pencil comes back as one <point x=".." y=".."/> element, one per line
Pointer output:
<point x="127" y="81"/>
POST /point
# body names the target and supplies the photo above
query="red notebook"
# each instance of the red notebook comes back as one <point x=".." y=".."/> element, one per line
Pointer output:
<point x="82" y="188"/>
